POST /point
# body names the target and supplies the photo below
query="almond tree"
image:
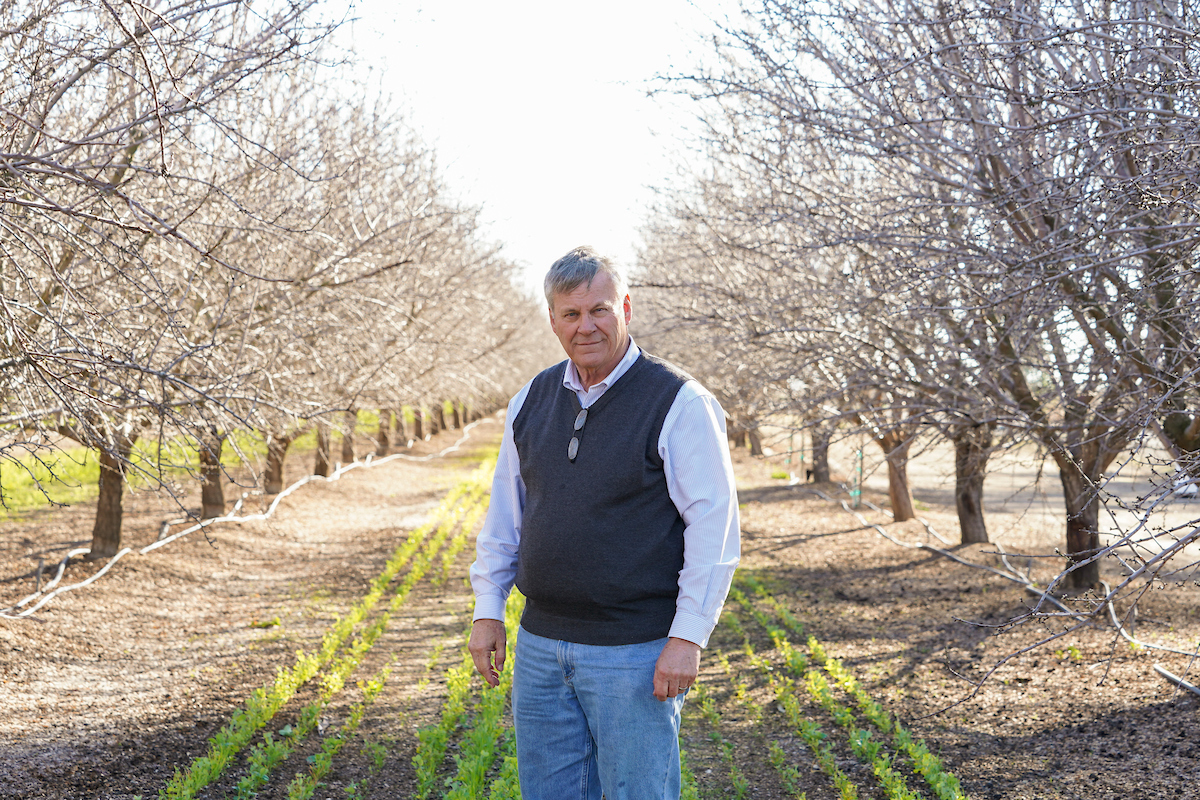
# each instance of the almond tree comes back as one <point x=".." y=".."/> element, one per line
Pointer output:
<point x="808" y="324"/>
<point x="1029" y="160"/>
<point x="105" y="108"/>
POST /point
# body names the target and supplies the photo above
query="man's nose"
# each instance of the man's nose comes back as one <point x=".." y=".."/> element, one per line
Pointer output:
<point x="586" y="323"/>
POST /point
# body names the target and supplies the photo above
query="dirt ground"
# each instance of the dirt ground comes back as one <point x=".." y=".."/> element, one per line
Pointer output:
<point x="110" y="688"/>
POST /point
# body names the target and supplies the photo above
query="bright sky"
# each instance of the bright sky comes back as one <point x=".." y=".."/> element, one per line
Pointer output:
<point x="538" y="110"/>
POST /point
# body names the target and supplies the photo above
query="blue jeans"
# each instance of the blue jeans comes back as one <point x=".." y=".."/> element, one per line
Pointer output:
<point x="587" y="722"/>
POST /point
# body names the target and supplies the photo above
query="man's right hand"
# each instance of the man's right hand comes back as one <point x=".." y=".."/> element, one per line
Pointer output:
<point x="487" y="637"/>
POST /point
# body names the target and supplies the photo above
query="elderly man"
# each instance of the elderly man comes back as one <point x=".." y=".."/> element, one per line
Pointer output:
<point x="614" y="511"/>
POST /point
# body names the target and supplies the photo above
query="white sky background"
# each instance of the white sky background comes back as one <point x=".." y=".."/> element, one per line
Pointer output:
<point x="538" y="110"/>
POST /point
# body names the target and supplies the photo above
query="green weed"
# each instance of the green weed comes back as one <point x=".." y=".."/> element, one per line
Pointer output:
<point x="264" y="703"/>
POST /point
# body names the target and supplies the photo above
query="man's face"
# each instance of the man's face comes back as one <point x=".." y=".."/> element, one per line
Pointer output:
<point x="592" y="324"/>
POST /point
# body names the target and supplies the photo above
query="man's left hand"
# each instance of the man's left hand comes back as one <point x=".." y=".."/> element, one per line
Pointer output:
<point x="677" y="668"/>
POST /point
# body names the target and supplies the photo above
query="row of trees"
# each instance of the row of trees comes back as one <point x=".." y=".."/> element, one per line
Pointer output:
<point x="206" y="227"/>
<point x="975" y="218"/>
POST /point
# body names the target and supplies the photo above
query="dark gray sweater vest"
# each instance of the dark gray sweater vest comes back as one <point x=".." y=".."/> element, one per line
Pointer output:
<point x="601" y="541"/>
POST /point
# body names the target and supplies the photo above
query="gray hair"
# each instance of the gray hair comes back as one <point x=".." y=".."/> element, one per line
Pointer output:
<point x="580" y="266"/>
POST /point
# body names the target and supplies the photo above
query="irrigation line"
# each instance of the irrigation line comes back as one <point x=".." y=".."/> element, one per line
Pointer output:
<point x="47" y="598"/>
<point x="1112" y="613"/>
<point x="230" y="517"/>
<point x="1030" y="587"/>
<point x="1175" y="679"/>
<point x="62" y="567"/>
<point x="369" y="461"/>
<point x="922" y="546"/>
<point x="47" y="595"/>
<point x="1043" y="595"/>
<point x="929" y="528"/>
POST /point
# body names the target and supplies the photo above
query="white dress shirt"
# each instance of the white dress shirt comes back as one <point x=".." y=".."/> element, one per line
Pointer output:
<point x="700" y="482"/>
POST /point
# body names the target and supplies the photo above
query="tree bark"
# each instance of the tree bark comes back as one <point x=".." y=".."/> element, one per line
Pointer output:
<point x="755" y="441"/>
<point x="971" y="449"/>
<point x="439" y="416"/>
<point x="1183" y="430"/>
<point x="277" y="447"/>
<point x="457" y="418"/>
<point x="106" y="530"/>
<point x="321" y="462"/>
<point x="1083" y="523"/>
<point x="212" y="493"/>
<point x="820" y="455"/>
<point x="401" y="428"/>
<point x="895" y="446"/>
<point x="348" y="436"/>
<point x="418" y="423"/>
<point x="383" y="439"/>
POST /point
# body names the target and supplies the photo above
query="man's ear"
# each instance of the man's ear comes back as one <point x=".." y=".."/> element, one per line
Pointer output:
<point x="628" y="307"/>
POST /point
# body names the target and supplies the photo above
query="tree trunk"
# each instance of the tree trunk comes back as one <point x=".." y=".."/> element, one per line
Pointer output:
<point x="348" y="436"/>
<point x="820" y="455"/>
<point x="321" y="463"/>
<point x="1183" y="429"/>
<point x="418" y="423"/>
<point x="106" y="531"/>
<point x="1083" y="523"/>
<point x="467" y="411"/>
<point x="755" y="441"/>
<point x="439" y="416"/>
<point x="212" y="493"/>
<point x="383" y="438"/>
<point x="401" y="428"/>
<point x="895" y="449"/>
<point x="277" y="447"/>
<point x="458" y="418"/>
<point x="971" y="446"/>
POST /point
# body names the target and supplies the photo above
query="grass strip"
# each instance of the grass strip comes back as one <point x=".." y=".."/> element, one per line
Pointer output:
<point x="432" y="740"/>
<point x="868" y="750"/>
<point x="478" y="748"/>
<point x="304" y="785"/>
<point x="270" y="753"/>
<point x="708" y="709"/>
<point x="789" y="775"/>
<point x="265" y="702"/>
<point x="469" y="523"/>
<point x="784" y="690"/>
<point x="945" y="784"/>
<point x="741" y="691"/>
<point x="507" y="785"/>
<point x="689" y="789"/>
<point x="464" y="516"/>
<point x="809" y="731"/>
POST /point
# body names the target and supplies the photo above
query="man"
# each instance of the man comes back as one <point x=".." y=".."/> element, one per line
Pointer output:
<point x="615" y="513"/>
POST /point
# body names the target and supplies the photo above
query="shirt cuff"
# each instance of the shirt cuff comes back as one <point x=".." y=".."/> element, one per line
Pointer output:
<point x="689" y="627"/>
<point x="489" y="606"/>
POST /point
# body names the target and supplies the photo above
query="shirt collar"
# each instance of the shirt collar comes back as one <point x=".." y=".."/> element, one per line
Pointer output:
<point x="571" y="375"/>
